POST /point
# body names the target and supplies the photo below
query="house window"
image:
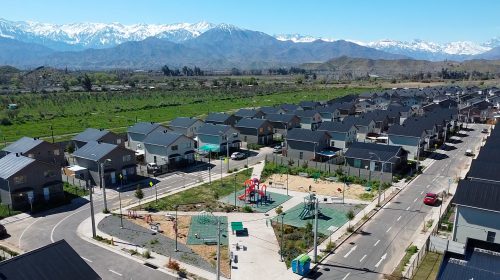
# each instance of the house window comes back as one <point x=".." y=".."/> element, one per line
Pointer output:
<point x="175" y="148"/>
<point x="245" y="138"/>
<point x="301" y="155"/>
<point x="19" y="180"/>
<point x="357" y="163"/>
<point x="56" y="152"/>
<point x="491" y="236"/>
<point x="48" y="173"/>
<point x="118" y="141"/>
<point x="127" y="158"/>
<point x="187" y="145"/>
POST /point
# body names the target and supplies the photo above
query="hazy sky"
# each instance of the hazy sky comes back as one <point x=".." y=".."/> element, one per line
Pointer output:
<point x="434" y="20"/>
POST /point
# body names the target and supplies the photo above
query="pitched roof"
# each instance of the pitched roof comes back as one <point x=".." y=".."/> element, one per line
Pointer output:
<point x="217" y="117"/>
<point x="306" y="113"/>
<point x="143" y="127"/>
<point x="478" y="194"/>
<point x="56" y="261"/>
<point x="406" y="130"/>
<point x="279" y="117"/>
<point x="90" y="134"/>
<point x="305" y="135"/>
<point x="213" y="129"/>
<point x="162" y="138"/>
<point x="250" y="123"/>
<point x="94" y="150"/>
<point x="183" y="122"/>
<point x="23" y="145"/>
<point x="12" y="163"/>
<point x="246" y="113"/>
<point x="336" y="126"/>
<point x="270" y="110"/>
<point x="290" y="107"/>
<point x="362" y="150"/>
<point x="484" y="170"/>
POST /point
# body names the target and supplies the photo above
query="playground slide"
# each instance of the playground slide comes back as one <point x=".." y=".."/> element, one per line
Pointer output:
<point x="247" y="192"/>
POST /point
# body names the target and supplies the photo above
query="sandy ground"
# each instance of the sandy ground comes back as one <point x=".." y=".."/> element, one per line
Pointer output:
<point x="205" y="251"/>
<point x="321" y="187"/>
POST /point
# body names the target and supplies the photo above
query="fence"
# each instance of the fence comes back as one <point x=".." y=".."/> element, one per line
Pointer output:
<point x="369" y="175"/>
<point x="412" y="268"/>
<point x="74" y="181"/>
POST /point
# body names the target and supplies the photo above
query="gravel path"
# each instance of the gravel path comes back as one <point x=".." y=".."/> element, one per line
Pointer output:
<point x="142" y="237"/>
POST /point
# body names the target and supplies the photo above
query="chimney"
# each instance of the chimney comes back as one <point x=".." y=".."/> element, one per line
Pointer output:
<point x="17" y="154"/>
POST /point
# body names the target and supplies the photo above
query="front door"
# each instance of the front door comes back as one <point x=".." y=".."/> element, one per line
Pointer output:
<point x="124" y="174"/>
<point x="46" y="193"/>
<point x="113" y="178"/>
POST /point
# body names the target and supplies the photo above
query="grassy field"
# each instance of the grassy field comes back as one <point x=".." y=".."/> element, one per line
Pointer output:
<point x="4" y="211"/>
<point x="69" y="113"/>
<point x="429" y="267"/>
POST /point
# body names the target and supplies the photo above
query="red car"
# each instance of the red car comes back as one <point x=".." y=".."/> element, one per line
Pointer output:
<point x="431" y="199"/>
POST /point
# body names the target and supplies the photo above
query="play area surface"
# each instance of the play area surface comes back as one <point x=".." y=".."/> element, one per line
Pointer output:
<point x="203" y="229"/>
<point x="275" y="200"/>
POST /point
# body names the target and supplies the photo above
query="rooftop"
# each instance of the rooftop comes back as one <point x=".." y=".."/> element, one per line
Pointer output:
<point x="362" y="150"/>
<point x="162" y="138"/>
<point x="478" y="194"/>
<point x="143" y="127"/>
<point x="23" y="145"/>
<point x="12" y="163"/>
<point x="90" y="134"/>
<point x="183" y="122"/>
<point x="94" y="150"/>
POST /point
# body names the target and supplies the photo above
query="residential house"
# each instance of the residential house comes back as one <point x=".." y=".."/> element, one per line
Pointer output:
<point x="218" y="138"/>
<point x="221" y="118"/>
<point x="249" y="114"/>
<point x="364" y="106"/>
<point x="478" y="112"/>
<point x="255" y="131"/>
<point x="290" y="108"/>
<point x="364" y="126"/>
<point x="309" y="119"/>
<point x="138" y="132"/>
<point x="381" y="119"/>
<point x="343" y="133"/>
<point x="282" y="123"/>
<point x="329" y="113"/>
<point x="100" y="135"/>
<point x="107" y="161"/>
<point x="26" y="181"/>
<point x="411" y="138"/>
<point x="306" y="144"/>
<point x="485" y="171"/>
<point x="346" y="109"/>
<point x="186" y="126"/>
<point x="375" y="157"/>
<point x="309" y="105"/>
<point x="38" y="149"/>
<point x="271" y="110"/>
<point x="169" y="149"/>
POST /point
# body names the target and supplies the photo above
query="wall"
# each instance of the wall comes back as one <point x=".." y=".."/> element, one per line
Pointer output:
<point x="471" y="222"/>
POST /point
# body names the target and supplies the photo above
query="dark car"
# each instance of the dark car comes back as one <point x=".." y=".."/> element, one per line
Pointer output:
<point x="3" y="231"/>
<point x="430" y="199"/>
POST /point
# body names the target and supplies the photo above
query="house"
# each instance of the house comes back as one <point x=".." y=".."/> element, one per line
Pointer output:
<point x="479" y="260"/>
<point x="373" y="156"/>
<point x="92" y="134"/>
<point x="249" y="114"/>
<point x="411" y="138"/>
<point x="26" y="179"/>
<point x="138" y="132"/>
<point x="380" y="118"/>
<point x="218" y="138"/>
<point x="398" y="114"/>
<point x="306" y="144"/>
<point x="108" y="161"/>
<point x="329" y="113"/>
<point x="477" y="211"/>
<point x="282" y="123"/>
<point x="477" y="113"/>
<point x="38" y="149"/>
<point x="346" y="109"/>
<point x="55" y="261"/>
<point x="309" y="105"/>
<point x="364" y="126"/>
<point x="221" y="118"/>
<point x="290" y="108"/>
<point x="343" y="134"/>
<point x="169" y="149"/>
<point x="271" y="110"/>
<point x="255" y="131"/>
<point x="309" y="119"/>
<point x="364" y="106"/>
<point x="186" y="126"/>
<point x="485" y="171"/>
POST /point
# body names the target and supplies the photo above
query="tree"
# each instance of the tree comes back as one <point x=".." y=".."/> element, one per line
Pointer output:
<point x="279" y="210"/>
<point x="86" y="83"/>
<point x="65" y="85"/>
<point x="139" y="194"/>
<point x="308" y="232"/>
<point x="166" y="71"/>
<point x="350" y="216"/>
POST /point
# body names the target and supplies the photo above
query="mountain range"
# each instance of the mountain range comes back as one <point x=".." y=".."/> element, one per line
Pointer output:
<point x="103" y="46"/>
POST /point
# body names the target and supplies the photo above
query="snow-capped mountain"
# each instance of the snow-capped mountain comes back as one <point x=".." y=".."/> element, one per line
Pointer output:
<point x="298" y="38"/>
<point x="97" y="35"/>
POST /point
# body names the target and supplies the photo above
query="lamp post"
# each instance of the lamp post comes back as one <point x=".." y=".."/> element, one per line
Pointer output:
<point x="175" y="229"/>
<point x="120" y="198"/>
<point x="102" y="184"/>
<point x="316" y="210"/>
<point x="91" y="190"/>
<point x="218" y="248"/>
<point x="234" y="191"/>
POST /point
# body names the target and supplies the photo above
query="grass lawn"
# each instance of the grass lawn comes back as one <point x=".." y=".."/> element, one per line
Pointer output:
<point x="70" y="113"/>
<point x="429" y="267"/>
<point x="410" y="251"/>
<point x="74" y="191"/>
<point x="206" y="195"/>
<point x="4" y="211"/>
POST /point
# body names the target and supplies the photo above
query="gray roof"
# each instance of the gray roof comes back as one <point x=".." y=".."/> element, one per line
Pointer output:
<point x="270" y="110"/>
<point x="217" y="117"/>
<point x="306" y="113"/>
<point x="23" y="145"/>
<point x="56" y="261"/>
<point x="11" y="164"/>
<point x="90" y="134"/>
<point x="183" y="122"/>
<point x="478" y="194"/>
<point x="246" y="113"/>
<point x="143" y="127"/>
<point x="336" y="126"/>
<point x="306" y="135"/>
<point x="279" y="117"/>
<point x="362" y="150"/>
<point x="484" y="170"/>
<point x="213" y="129"/>
<point x="162" y="138"/>
<point x="94" y="150"/>
<point x="250" y="123"/>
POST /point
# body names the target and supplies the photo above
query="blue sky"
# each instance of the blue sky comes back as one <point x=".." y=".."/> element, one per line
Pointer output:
<point x="437" y="20"/>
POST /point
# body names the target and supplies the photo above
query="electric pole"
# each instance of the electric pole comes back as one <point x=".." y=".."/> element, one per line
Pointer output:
<point x="316" y="210"/>
<point x="91" y="208"/>
<point x="218" y="248"/>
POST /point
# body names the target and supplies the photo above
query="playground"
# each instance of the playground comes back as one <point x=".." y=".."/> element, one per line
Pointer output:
<point x="319" y="186"/>
<point x="255" y="195"/>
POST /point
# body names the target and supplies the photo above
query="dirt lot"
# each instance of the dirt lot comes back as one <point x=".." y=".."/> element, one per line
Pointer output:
<point x="205" y="251"/>
<point x="321" y="187"/>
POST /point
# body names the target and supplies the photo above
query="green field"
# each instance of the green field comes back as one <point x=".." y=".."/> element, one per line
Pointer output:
<point x="70" y="113"/>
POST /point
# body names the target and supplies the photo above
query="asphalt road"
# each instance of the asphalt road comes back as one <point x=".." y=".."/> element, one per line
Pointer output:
<point x="62" y="223"/>
<point x="382" y="241"/>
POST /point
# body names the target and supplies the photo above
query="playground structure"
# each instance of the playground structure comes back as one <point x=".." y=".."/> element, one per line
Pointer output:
<point x="309" y="207"/>
<point x="255" y="193"/>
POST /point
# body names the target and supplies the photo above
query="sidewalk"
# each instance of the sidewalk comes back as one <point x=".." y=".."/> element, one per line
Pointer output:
<point x="14" y="218"/>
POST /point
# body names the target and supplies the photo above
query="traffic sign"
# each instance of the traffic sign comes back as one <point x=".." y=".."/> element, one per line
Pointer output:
<point x="150" y="183"/>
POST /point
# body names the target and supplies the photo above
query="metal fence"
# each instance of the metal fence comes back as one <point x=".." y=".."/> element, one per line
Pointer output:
<point x="385" y="177"/>
<point x="74" y="181"/>
<point x="413" y="267"/>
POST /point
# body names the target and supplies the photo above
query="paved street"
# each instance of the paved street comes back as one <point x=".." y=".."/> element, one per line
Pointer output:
<point x="62" y="223"/>
<point x="380" y="245"/>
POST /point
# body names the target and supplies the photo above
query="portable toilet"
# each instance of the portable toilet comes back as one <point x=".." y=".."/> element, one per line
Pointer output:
<point x="301" y="264"/>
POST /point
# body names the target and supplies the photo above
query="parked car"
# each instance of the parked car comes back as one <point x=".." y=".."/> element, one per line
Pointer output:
<point x="152" y="167"/>
<point x="469" y="153"/>
<point x="238" y="155"/>
<point x="431" y="199"/>
<point x="485" y="130"/>
<point x="3" y="231"/>
<point x="277" y="149"/>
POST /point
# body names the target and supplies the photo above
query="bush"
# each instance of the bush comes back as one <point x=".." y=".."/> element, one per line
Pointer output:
<point x="146" y="254"/>
<point x="254" y="146"/>
<point x="412" y="249"/>
<point x="330" y="246"/>
<point x="153" y="241"/>
<point x="247" y="209"/>
<point x="174" y="265"/>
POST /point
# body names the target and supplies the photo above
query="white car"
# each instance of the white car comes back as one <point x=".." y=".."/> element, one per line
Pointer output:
<point x="238" y="155"/>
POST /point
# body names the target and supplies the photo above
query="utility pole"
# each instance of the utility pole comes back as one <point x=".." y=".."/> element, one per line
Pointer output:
<point x="234" y="190"/>
<point x="102" y="184"/>
<point x="175" y="229"/>
<point x="287" y="172"/>
<point x="91" y="207"/>
<point x="209" y="175"/>
<point x="120" y="198"/>
<point x="218" y="248"/>
<point x="221" y="184"/>
<point x="316" y="210"/>
<point x="281" y="242"/>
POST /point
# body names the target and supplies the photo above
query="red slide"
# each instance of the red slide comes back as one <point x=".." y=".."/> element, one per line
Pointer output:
<point x="247" y="192"/>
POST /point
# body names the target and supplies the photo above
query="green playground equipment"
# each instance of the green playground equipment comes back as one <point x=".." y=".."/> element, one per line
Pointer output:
<point x="206" y="218"/>
<point x="309" y="207"/>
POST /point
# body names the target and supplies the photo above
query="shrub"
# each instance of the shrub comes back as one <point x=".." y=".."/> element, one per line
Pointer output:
<point x="330" y="246"/>
<point x="254" y="146"/>
<point x="153" y="241"/>
<point x="174" y="265"/>
<point x="146" y="254"/>
<point x="247" y="209"/>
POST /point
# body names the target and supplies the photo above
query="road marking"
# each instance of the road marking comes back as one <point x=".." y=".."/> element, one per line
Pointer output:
<point x="422" y="192"/>
<point x="388" y="229"/>
<point x="381" y="259"/>
<point x="362" y="258"/>
<point x="415" y="200"/>
<point x="428" y="186"/>
<point x="407" y="208"/>
<point x="86" y="259"/>
<point x="350" y="251"/>
<point x="399" y="218"/>
<point x="347" y="275"/>
<point x="376" y="243"/>
<point x="22" y="233"/>
<point x="54" y="228"/>
<point x="110" y="270"/>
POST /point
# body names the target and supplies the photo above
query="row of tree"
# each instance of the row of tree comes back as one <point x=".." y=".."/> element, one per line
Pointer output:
<point x="184" y="71"/>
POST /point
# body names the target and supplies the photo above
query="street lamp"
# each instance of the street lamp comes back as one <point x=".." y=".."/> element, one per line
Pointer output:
<point x="102" y="184"/>
<point x="120" y="198"/>
<point x="381" y="172"/>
